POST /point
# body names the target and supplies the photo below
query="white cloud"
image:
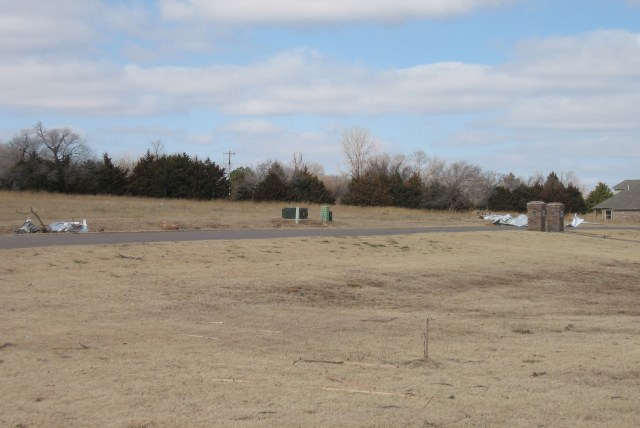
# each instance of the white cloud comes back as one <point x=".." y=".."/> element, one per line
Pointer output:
<point x="298" y="12"/>
<point x="259" y="140"/>
<point x="589" y="81"/>
<point x="40" y="25"/>
<point x="252" y="127"/>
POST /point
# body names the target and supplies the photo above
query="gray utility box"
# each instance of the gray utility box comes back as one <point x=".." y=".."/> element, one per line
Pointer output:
<point x="290" y="213"/>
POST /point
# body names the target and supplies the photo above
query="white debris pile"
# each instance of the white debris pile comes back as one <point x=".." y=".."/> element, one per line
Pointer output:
<point x="577" y="221"/>
<point x="68" y="226"/>
<point x="55" y="227"/>
<point x="507" y="219"/>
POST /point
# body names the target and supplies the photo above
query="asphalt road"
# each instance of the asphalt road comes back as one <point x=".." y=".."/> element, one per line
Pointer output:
<point x="63" y="239"/>
<point x="9" y="242"/>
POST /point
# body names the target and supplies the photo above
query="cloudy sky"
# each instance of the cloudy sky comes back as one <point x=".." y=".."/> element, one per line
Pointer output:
<point x="523" y="86"/>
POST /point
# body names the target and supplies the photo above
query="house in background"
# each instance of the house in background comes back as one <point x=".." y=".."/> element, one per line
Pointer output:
<point x="624" y="205"/>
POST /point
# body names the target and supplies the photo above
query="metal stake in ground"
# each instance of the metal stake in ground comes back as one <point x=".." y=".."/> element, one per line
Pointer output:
<point x="426" y="340"/>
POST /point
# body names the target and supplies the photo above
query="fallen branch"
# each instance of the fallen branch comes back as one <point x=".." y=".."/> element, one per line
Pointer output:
<point x="83" y="345"/>
<point x="362" y="391"/>
<point x="44" y="228"/>
<point x="232" y="380"/>
<point x="349" y="382"/>
<point x="428" y="401"/>
<point x="122" y="256"/>
<point x="300" y="360"/>
<point x="380" y="319"/>
<point x="6" y="345"/>
<point x="358" y="363"/>
<point x="202" y="337"/>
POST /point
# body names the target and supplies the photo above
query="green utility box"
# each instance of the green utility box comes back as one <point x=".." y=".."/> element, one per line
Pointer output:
<point x="326" y="215"/>
<point x="290" y="213"/>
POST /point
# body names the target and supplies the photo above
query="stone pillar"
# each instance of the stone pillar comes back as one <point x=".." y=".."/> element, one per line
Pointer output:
<point x="537" y="213"/>
<point x="555" y="217"/>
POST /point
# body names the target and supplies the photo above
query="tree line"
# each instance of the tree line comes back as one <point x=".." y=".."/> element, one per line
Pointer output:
<point x="58" y="160"/>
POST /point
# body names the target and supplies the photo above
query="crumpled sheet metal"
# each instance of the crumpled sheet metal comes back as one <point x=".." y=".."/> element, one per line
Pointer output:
<point x="521" y="221"/>
<point x="55" y="227"/>
<point x="28" y="227"/>
<point x="68" y="226"/>
<point x="577" y="221"/>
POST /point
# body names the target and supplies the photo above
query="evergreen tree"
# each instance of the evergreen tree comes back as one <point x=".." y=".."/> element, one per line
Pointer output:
<point x="553" y="190"/>
<point x="111" y="179"/>
<point x="308" y="187"/>
<point x="178" y="176"/>
<point x="274" y="186"/>
<point x="602" y="192"/>
<point x="574" y="201"/>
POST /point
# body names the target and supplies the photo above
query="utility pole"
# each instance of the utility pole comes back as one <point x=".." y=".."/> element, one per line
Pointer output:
<point x="229" y="154"/>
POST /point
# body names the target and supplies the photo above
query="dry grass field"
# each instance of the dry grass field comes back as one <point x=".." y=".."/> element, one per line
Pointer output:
<point x="526" y="329"/>
<point x="114" y="213"/>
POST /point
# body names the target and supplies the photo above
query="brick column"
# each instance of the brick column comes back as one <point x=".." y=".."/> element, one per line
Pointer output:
<point x="555" y="217"/>
<point x="537" y="213"/>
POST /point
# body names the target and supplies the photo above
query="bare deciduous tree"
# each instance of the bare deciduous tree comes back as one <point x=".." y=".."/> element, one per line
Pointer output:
<point x="358" y="146"/>
<point x="157" y="148"/>
<point x="48" y="154"/>
<point x="60" y="145"/>
<point x="419" y="159"/>
<point x="434" y="170"/>
<point x="23" y="145"/>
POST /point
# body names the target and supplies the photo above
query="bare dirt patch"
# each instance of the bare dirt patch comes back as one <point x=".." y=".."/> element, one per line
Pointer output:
<point x="526" y="329"/>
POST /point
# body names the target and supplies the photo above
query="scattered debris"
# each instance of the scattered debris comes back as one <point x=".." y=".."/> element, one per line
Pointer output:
<point x="507" y="219"/>
<point x="169" y="226"/>
<point x="200" y="336"/>
<point x="55" y="227"/>
<point x="68" y="226"/>
<point x="232" y="380"/>
<point x="122" y="256"/>
<point x="362" y="391"/>
<point x="300" y="360"/>
<point x="350" y="382"/>
<point x="35" y="213"/>
<point x="577" y="221"/>
<point x="380" y="319"/>
<point x="28" y="227"/>
<point x="522" y="220"/>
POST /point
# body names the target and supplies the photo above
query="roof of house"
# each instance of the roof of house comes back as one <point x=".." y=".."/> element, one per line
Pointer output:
<point x="627" y="197"/>
<point x="627" y="185"/>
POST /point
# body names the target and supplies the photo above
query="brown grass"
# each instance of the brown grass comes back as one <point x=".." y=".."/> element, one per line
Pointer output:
<point x="123" y="213"/>
<point x="527" y="329"/>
